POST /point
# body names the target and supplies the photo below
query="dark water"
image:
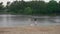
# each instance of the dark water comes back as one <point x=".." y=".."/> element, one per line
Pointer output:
<point x="19" y="20"/>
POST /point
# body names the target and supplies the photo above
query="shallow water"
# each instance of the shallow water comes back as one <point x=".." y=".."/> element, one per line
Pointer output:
<point x="19" y="20"/>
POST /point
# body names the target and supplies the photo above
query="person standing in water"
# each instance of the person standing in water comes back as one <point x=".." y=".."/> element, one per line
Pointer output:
<point x="34" y="22"/>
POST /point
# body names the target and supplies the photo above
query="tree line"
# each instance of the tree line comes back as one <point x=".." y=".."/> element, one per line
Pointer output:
<point x="31" y="8"/>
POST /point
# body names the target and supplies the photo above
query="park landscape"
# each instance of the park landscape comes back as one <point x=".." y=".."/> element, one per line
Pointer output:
<point x="16" y="17"/>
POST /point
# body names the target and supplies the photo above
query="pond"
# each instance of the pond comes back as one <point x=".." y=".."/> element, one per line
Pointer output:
<point x="23" y="20"/>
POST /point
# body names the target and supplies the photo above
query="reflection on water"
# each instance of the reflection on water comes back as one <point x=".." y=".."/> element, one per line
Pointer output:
<point x="13" y="20"/>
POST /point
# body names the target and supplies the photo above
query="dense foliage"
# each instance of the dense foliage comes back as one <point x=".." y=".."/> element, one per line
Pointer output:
<point x="31" y="8"/>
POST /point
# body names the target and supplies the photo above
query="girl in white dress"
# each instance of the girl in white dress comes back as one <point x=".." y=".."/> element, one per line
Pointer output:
<point x="34" y="22"/>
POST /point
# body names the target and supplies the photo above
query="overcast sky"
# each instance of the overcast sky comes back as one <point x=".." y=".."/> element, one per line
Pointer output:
<point x="14" y="0"/>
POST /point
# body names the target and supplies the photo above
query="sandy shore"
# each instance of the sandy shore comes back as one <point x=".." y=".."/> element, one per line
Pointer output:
<point x="31" y="30"/>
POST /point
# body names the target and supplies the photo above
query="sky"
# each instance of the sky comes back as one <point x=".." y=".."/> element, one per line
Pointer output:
<point x="5" y="1"/>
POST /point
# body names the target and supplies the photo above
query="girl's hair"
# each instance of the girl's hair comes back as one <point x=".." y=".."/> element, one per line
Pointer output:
<point x="35" y="19"/>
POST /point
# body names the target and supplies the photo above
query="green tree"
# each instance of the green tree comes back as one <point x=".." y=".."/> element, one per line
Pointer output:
<point x="52" y="7"/>
<point x="15" y="7"/>
<point x="36" y="7"/>
<point x="1" y="8"/>
<point x="28" y="11"/>
<point x="58" y="11"/>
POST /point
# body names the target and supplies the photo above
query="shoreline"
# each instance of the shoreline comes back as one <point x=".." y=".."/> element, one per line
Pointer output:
<point x="31" y="30"/>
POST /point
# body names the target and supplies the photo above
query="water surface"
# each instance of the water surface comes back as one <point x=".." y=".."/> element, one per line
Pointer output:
<point x="20" y="20"/>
